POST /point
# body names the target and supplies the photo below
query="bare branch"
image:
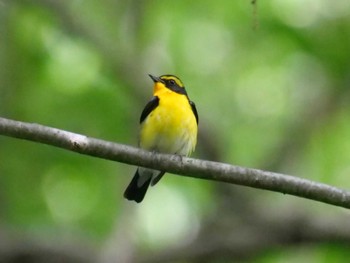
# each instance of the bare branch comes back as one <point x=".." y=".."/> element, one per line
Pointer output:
<point x="247" y="241"/>
<point x="196" y="168"/>
<point x="15" y="247"/>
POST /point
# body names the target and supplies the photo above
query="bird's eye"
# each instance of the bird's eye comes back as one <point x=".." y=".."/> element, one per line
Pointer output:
<point x="172" y="82"/>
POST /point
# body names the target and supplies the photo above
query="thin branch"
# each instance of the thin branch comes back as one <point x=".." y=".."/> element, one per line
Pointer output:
<point x="196" y="168"/>
<point x="247" y="242"/>
<point x="16" y="247"/>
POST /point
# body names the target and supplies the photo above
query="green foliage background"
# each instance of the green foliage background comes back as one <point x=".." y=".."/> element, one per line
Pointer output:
<point x="271" y="86"/>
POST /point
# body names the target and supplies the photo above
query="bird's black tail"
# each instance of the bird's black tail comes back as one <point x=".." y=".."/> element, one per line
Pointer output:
<point x="135" y="192"/>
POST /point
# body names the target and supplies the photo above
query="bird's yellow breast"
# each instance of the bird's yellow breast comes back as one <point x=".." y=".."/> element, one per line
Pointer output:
<point x="171" y="127"/>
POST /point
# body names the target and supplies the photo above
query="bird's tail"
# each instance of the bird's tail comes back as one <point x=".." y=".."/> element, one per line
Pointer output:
<point x="137" y="189"/>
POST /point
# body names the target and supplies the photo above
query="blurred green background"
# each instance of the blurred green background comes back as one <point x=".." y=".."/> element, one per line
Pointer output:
<point x="272" y="87"/>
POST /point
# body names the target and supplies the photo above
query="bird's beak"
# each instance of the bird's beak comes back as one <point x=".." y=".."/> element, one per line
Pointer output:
<point x="155" y="79"/>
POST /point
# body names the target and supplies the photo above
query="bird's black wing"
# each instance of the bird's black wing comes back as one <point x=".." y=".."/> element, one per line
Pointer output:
<point x="150" y="106"/>
<point x="193" y="106"/>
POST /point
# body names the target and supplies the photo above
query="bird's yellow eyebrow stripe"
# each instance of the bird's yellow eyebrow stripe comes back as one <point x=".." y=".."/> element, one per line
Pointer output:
<point x="177" y="81"/>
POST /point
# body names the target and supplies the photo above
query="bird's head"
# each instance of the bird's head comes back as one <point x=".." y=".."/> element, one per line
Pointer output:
<point x="168" y="81"/>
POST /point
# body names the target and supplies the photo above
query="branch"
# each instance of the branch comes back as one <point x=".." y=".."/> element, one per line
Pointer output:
<point x="196" y="168"/>
<point x="248" y="240"/>
<point x="15" y="247"/>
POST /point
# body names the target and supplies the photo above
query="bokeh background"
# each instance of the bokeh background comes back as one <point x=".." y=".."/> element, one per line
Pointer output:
<point x="272" y="87"/>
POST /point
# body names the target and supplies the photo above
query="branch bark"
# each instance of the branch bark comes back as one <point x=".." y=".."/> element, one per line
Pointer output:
<point x="196" y="168"/>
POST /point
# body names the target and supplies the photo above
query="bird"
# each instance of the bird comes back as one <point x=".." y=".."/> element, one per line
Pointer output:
<point x="168" y="124"/>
